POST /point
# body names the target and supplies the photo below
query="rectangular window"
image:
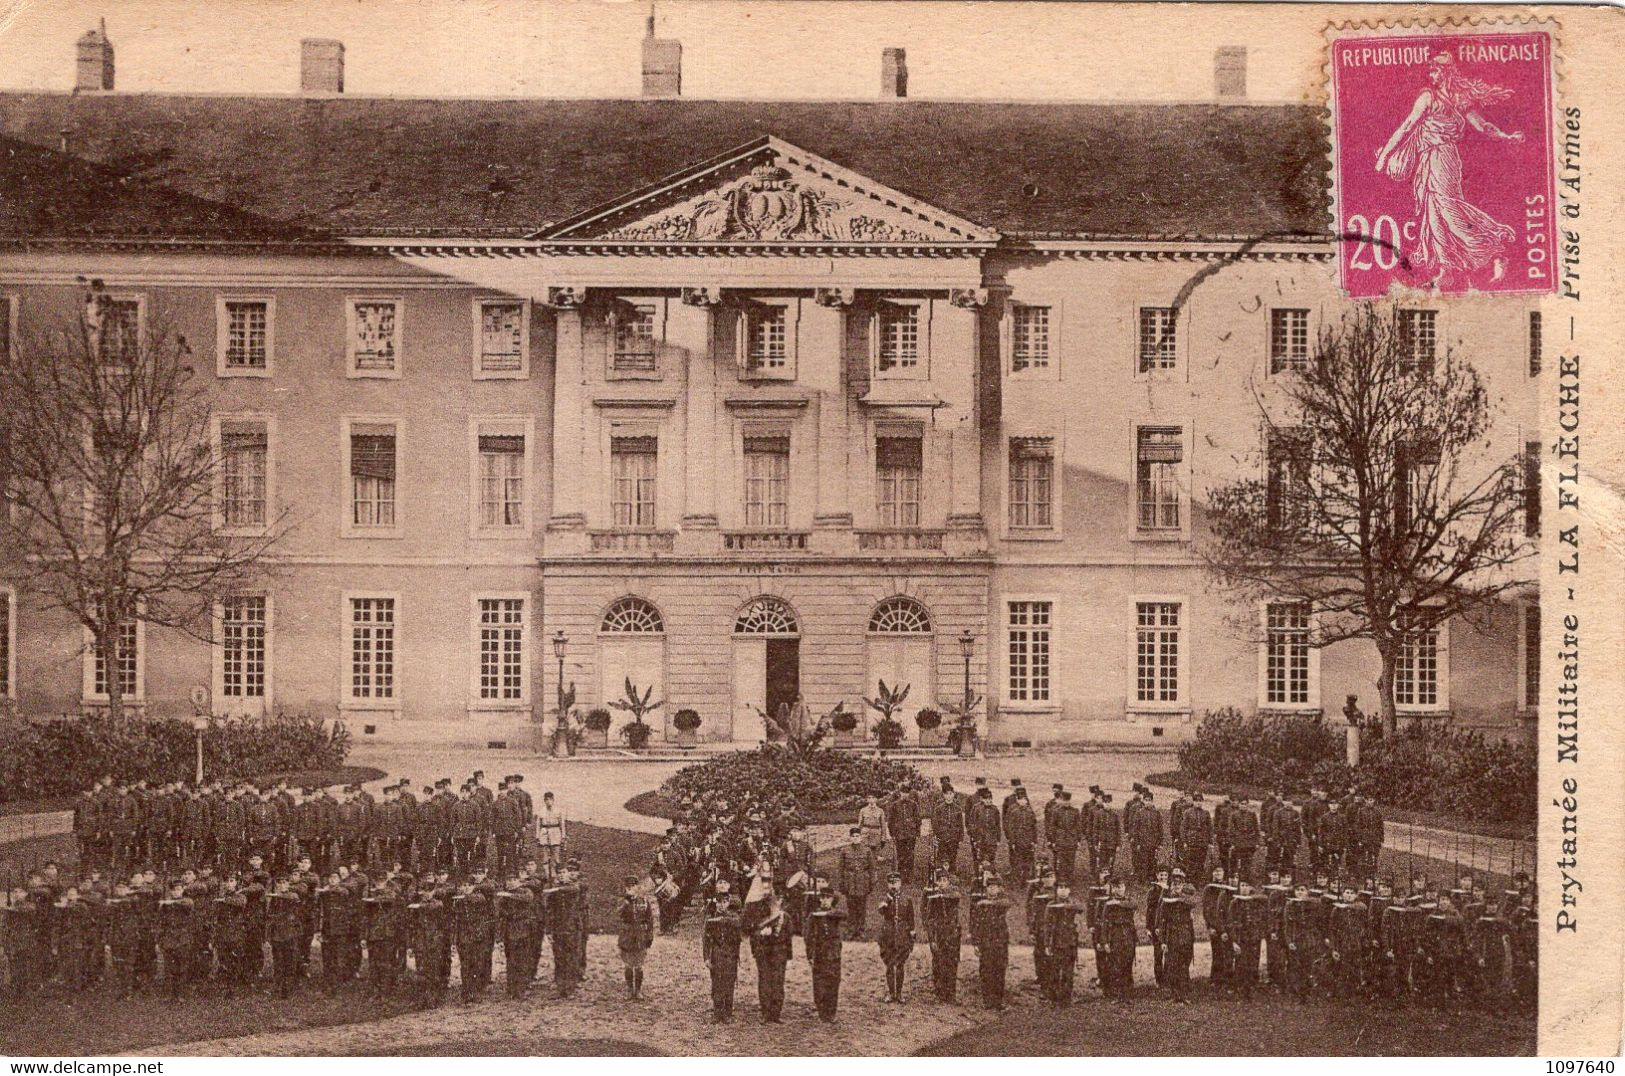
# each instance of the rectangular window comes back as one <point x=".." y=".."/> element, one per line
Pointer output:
<point x="8" y="631"/>
<point x="118" y="331"/>
<point x="1156" y="652"/>
<point x="767" y="340"/>
<point x="1416" y="472"/>
<point x="1029" y="338"/>
<point x="502" y="337"/>
<point x="1531" y="655"/>
<point x="1286" y="654"/>
<point x="1159" y="344"/>
<point x="244" y="455"/>
<point x="372" y="648"/>
<point x="1032" y="482"/>
<point x="502" y="649"/>
<point x="637" y="333"/>
<point x="1287" y="494"/>
<point x="1289" y="340"/>
<point x="1531" y="489"/>
<point x="126" y="659"/>
<point x="897" y="327"/>
<point x="633" y="462"/>
<point x="898" y="470"/>
<point x="247" y="334"/>
<point x="502" y="480"/>
<point x="1159" y="459"/>
<point x="1418" y="340"/>
<point x="372" y="475"/>
<point x="767" y="481"/>
<point x="242" y="647"/>
<point x="1534" y="343"/>
<point x="1028" y="629"/>
<point x="374" y="337"/>
<point x="1417" y="675"/>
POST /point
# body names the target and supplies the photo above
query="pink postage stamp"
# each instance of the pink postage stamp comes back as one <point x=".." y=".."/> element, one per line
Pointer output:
<point x="1442" y="145"/>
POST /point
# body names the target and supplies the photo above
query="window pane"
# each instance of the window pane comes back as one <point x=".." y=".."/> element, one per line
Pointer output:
<point x="375" y="341"/>
<point x="767" y="477"/>
<point x="636" y="328"/>
<point x="1160" y="453"/>
<point x="501" y="336"/>
<point x="898" y="473"/>
<point x="899" y="330"/>
<point x="1286" y="654"/>
<point x="1029" y="346"/>
<point x="1418" y="339"/>
<point x="1032" y="470"/>
<point x="1289" y="340"/>
<point x="243" y="474"/>
<point x="1156" y="651"/>
<point x="1158" y="342"/>
<point x="502" y="481"/>
<point x="502" y="657"/>
<point x="124" y="646"/>
<point x="245" y="335"/>
<point x="766" y="339"/>
<point x="1416" y="677"/>
<point x="1028" y="651"/>
<point x="242" y="648"/>
<point x="372" y="648"/>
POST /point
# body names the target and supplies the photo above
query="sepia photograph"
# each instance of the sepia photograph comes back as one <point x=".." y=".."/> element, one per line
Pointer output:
<point x="557" y="528"/>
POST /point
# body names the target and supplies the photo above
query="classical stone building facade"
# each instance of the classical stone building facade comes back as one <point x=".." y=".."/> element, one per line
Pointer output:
<point x="746" y="401"/>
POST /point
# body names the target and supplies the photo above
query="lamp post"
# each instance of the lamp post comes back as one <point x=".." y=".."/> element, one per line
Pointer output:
<point x="560" y="641"/>
<point x="967" y="646"/>
<point x="967" y="722"/>
<point x="199" y="726"/>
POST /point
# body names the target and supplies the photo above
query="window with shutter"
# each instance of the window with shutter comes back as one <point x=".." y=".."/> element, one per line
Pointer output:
<point x="502" y="480"/>
<point x="633" y="467"/>
<point x="1159" y="458"/>
<point x="243" y="472"/>
<point x="1032" y="482"/>
<point x="898" y="473"/>
<point x="372" y="477"/>
<point x="767" y="481"/>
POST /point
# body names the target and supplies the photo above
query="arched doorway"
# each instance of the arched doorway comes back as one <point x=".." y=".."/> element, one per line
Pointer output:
<point x="900" y="652"/>
<point x="766" y="665"/>
<point x="632" y="646"/>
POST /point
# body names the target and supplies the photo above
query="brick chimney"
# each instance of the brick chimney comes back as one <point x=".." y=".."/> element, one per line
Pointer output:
<point x="95" y="66"/>
<point x="662" y="63"/>
<point x="321" y="65"/>
<point x="893" y="73"/>
<point x="1230" y="72"/>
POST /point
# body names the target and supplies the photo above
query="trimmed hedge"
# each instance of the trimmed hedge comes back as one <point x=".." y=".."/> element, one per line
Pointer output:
<point x="58" y="756"/>
<point x="823" y="781"/>
<point x="1422" y="767"/>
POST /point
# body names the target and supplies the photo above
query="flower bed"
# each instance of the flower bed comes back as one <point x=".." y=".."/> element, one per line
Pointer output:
<point x="64" y="756"/>
<point x="824" y="782"/>
<point x="1422" y="767"/>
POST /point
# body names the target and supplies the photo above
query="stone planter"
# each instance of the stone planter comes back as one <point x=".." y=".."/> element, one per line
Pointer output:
<point x="933" y="737"/>
<point x="598" y="738"/>
<point x="688" y="738"/>
<point x="846" y="739"/>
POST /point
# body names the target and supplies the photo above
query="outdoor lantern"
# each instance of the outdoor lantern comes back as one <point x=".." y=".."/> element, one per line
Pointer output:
<point x="967" y="644"/>
<point x="559" y="641"/>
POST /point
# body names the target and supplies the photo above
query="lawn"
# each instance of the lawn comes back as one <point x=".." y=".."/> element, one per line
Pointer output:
<point x="1437" y="819"/>
<point x="1225" y="1026"/>
<point x="339" y="775"/>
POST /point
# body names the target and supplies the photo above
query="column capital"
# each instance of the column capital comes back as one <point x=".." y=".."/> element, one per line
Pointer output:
<point x="834" y="296"/>
<point x="701" y="296"/>
<point x="967" y="298"/>
<point x="565" y="296"/>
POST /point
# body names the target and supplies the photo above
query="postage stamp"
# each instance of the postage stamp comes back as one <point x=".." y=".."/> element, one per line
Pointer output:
<point x="1443" y="157"/>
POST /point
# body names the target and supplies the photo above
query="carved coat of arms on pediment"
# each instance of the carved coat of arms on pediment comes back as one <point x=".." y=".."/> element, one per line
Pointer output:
<point x="767" y="205"/>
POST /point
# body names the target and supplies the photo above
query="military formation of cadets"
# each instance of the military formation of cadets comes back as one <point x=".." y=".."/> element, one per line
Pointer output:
<point x="184" y="890"/>
<point x="183" y="887"/>
<point x="1337" y="931"/>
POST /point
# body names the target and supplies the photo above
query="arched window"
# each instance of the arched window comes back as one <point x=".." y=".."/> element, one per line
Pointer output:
<point x="766" y="616"/>
<point x="900" y="616"/>
<point x="632" y="616"/>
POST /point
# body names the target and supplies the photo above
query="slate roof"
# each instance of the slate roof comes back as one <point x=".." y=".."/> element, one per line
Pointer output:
<point x="175" y="166"/>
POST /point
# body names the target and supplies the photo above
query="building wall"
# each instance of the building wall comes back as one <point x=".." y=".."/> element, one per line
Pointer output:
<point x="1091" y="565"/>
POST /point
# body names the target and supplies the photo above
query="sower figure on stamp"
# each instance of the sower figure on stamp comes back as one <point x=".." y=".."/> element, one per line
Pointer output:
<point x="770" y="946"/>
<point x="896" y="934"/>
<point x="719" y="948"/>
<point x="942" y="931"/>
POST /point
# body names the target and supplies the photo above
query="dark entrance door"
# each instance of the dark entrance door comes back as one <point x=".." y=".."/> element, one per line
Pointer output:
<point x="783" y="675"/>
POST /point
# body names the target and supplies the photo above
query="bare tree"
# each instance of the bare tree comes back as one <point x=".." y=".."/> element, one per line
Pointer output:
<point x="115" y="484"/>
<point x="1380" y="506"/>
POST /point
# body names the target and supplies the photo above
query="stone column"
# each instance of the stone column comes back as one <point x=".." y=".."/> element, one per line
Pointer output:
<point x="569" y="401"/>
<point x="956" y="361"/>
<point x="822" y="368"/>
<point x="692" y="328"/>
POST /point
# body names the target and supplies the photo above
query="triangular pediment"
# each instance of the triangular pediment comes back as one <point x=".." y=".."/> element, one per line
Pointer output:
<point x="769" y="192"/>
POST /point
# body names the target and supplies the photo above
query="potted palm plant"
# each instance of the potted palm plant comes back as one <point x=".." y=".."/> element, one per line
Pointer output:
<point x="845" y="723"/>
<point x="687" y="724"/>
<point x="929" y="721"/>
<point x="595" y="728"/>
<point x="638" y="704"/>
<point x="889" y="700"/>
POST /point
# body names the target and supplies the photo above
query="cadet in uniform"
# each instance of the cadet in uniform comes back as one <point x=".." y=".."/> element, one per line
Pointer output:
<point x="1121" y="940"/>
<point x="476" y="935"/>
<point x="1153" y="921"/>
<point x="516" y="917"/>
<point x="1349" y="927"/>
<point x="824" y="952"/>
<point x="903" y="822"/>
<point x="856" y="878"/>
<point x="1303" y="941"/>
<point x="720" y="949"/>
<point x="176" y="917"/>
<point x="942" y="903"/>
<point x="1021" y="832"/>
<point x="635" y="936"/>
<point x="990" y="934"/>
<point x="1060" y="931"/>
<point x="1247" y="921"/>
<point x="896" y="934"/>
<point x="1213" y="898"/>
<point x="947" y="829"/>
<point x="1176" y="926"/>
<point x="284" y="923"/>
<point x="770" y="946"/>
